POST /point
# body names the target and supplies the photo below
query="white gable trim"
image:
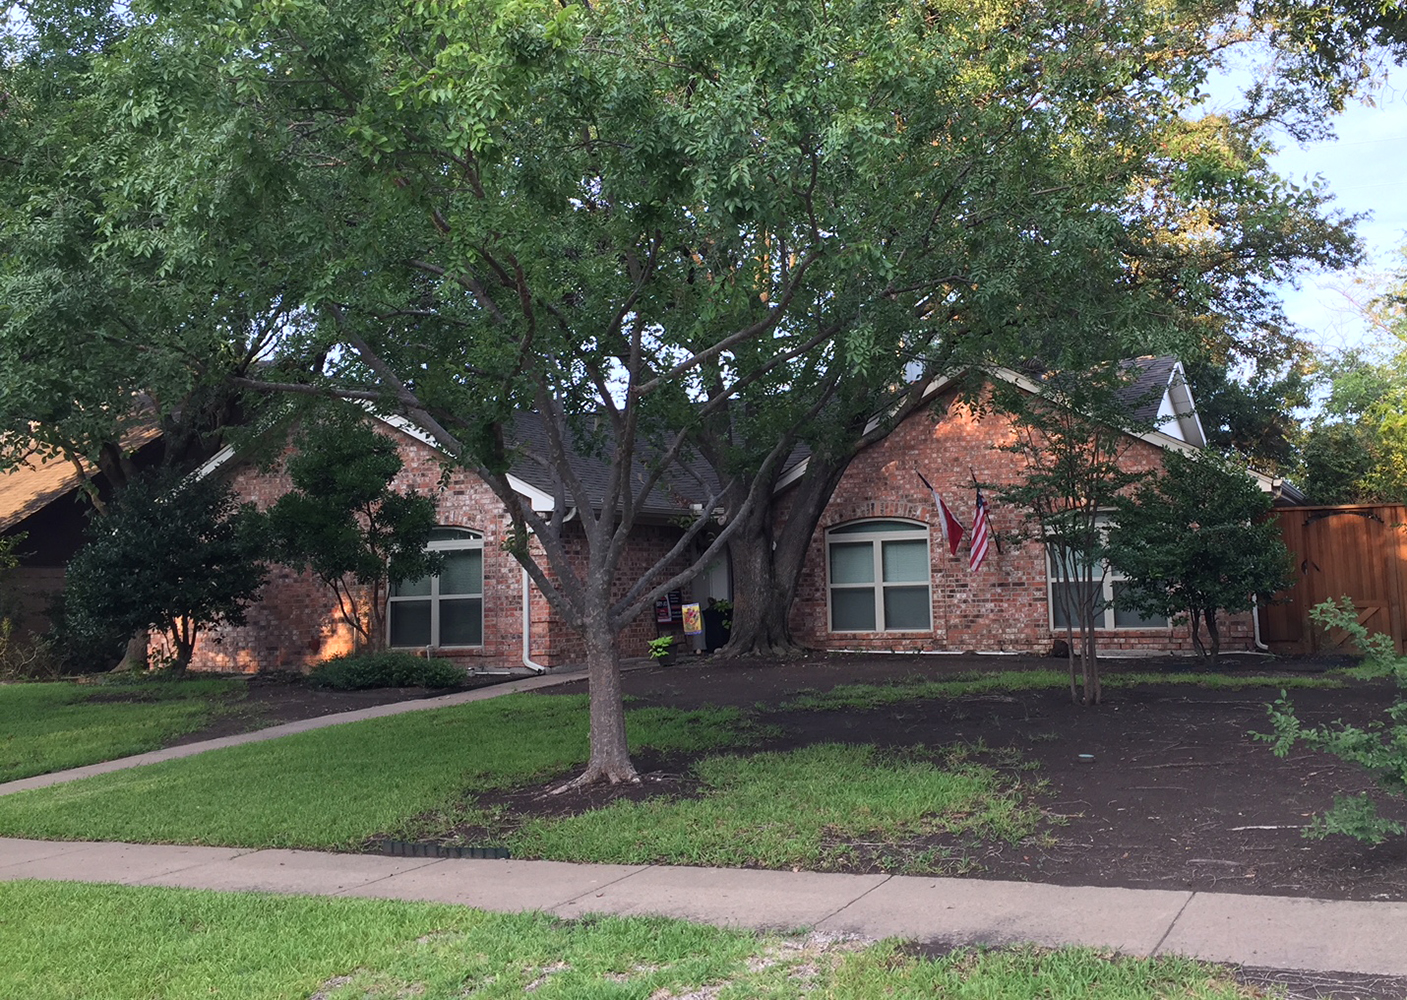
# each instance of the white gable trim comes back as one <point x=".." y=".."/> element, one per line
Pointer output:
<point x="1181" y="413"/>
<point x="540" y="500"/>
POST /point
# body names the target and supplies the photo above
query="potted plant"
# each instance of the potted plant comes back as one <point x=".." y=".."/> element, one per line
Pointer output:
<point x="662" y="649"/>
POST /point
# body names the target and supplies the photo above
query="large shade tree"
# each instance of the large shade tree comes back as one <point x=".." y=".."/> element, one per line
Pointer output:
<point x="629" y="218"/>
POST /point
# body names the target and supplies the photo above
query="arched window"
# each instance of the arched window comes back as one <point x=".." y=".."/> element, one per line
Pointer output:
<point x="446" y="610"/>
<point x="879" y="574"/>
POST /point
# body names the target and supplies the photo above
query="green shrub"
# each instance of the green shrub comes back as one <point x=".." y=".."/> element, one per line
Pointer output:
<point x="357" y="671"/>
<point x="1380" y="748"/>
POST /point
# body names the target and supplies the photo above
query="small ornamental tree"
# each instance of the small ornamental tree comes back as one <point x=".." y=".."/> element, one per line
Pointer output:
<point x="172" y="555"/>
<point x="1070" y="437"/>
<point x="1196" y="540"/>
<point x="344" y="523"/>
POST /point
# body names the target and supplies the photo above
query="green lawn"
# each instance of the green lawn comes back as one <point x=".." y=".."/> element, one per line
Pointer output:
<point x="335" y="787"/>
<point x="798" y="810"/>
<point x="54" y="726"/>
<point x="65" y="941"/>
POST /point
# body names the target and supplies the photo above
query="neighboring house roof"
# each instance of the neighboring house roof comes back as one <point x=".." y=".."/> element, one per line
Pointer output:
<point x="37" y="482"/>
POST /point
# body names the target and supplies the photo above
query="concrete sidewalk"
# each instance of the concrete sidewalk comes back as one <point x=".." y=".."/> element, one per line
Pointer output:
<point x="1267" y="931"/>
<point x="289" y="728"/>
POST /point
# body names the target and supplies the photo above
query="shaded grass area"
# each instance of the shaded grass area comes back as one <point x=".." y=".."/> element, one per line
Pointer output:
<point x="800" y="809"/>
<point x="868" y="696"/>
<point x="58" y="725"/>
<point x="65" y="941"/>
<point x="335" y="787"/>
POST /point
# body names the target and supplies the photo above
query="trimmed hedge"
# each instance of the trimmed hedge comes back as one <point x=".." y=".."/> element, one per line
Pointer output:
<point x="357" y="671"/>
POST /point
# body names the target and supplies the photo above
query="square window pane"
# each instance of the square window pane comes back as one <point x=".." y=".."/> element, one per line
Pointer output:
<point x="905" y="561"/>
<point x="1065" y="563"/>
<point x="852" y="562"/>
<point x="462" y="572"/>
<point x="906" y="607"/>
<point x="411" y="588"/>
<point x="462" y="622"/>
<point x="1129" y="618"/>
<point x="409" y="623"/>
<point x="1070" y="593"/>
<point x="852" y="610"/>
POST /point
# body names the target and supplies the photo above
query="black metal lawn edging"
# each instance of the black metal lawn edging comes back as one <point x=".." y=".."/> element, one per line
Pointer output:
<point x="429" y="849"/>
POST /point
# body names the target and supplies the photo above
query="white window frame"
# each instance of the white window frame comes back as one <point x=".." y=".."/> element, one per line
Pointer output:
<point x="467" y="539"/>
<point x="918" y="532"/>
<point x="1105" y="579"/>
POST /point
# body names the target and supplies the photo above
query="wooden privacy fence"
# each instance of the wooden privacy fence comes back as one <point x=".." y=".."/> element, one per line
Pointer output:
<point x="1358" y="551"/>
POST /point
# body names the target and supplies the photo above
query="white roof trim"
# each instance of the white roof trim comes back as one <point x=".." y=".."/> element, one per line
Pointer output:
<point x="1187" y="420"/>
<point x="214" y="462"/>
<point x="539" y="499"/>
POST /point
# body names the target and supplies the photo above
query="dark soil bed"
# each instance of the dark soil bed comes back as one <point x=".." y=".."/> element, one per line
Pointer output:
<point x="1160" y="787"/>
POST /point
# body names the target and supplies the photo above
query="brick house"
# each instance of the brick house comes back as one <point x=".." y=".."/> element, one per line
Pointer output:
<point x="878" y="576"/>
<point x="481" y="611"/>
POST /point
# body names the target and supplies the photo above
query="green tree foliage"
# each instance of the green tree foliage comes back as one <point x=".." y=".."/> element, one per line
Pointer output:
<point x="624" y="218"/>
<point x="172" y="555"/>
<point x="1356" y="451"/>
<point x="1380" y="748"/>
<point x="1196" y="540"/>
<point x="343" y="522"/>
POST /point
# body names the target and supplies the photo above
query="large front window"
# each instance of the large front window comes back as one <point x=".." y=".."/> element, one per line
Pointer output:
<point x="879" y="577"/>
<point x="446" y="610"/>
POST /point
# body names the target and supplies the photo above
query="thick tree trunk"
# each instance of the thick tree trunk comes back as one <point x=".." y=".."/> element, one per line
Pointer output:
<point x="134" y="657"/>
<point x="609" y="759"/>
<point x="1215" y="635"/>
<point x="761" y="599"/>
<point x="768" y="560"/>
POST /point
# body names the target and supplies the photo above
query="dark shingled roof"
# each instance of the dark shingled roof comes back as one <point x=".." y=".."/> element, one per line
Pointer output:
<point x="671" y="496"/>
<point x="1144" y="395"/>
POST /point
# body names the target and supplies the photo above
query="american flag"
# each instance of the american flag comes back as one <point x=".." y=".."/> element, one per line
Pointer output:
<point x="981" y="535"/>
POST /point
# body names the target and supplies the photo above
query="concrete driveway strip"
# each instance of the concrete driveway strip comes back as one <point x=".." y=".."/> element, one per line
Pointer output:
<point x="126" y="864"/>
<point x="762" y="900"/>
<point x="304" y="872"/>
<point x="503" y="886"/>
<point x="1283" y="932"/>
<point x="971" y="911"/>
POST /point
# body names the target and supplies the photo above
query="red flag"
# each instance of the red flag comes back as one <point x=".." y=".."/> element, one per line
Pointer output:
<point x="981" y="535"/>
<point x="952" y="528"/>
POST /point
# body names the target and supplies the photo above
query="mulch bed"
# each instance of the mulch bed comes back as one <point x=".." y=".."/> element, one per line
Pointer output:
<point x="1157" y="788"/>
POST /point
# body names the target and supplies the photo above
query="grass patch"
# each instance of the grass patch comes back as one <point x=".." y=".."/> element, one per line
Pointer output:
<point x="799" y="809"/>
<point x="869" y="696"/>
<point x="58" y="725"/>
<point x="64" y="941"/>
<point x="334" y="788"/>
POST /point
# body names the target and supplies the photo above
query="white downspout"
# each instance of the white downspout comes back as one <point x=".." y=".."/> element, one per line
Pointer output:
<point x="528" y="661"/>
<point x="1255" y="625"/>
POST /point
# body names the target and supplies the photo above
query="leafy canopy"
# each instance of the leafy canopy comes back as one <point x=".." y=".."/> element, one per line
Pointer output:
<point x="173" y="554"/>
<point x="1197" y="539"/>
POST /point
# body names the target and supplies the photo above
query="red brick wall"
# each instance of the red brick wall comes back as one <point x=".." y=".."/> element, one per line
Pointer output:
<point x="1001" y="607"/>
<point x="296" y="623"/>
